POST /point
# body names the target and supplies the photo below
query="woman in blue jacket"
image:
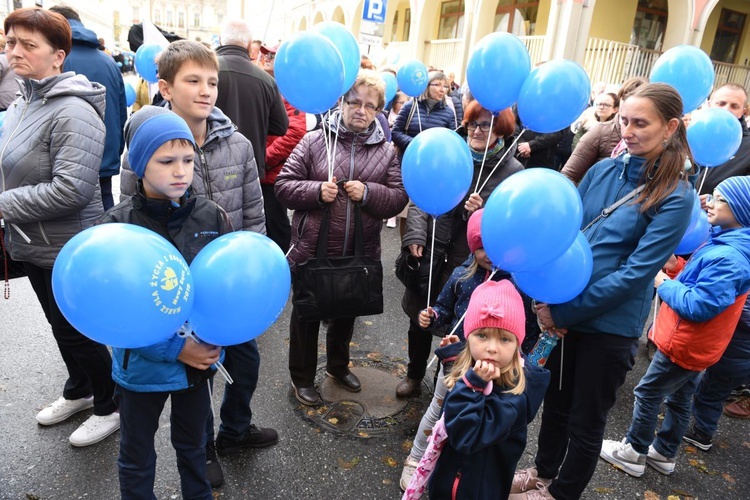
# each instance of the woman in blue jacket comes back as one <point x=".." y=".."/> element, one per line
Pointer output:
<point x="601" y="327"/>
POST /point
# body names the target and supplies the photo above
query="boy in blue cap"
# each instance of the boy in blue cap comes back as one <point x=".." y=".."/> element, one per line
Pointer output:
<point x="160" y="153"/>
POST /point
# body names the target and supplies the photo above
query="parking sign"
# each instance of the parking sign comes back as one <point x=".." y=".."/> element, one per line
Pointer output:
<point x="374" y="11"/>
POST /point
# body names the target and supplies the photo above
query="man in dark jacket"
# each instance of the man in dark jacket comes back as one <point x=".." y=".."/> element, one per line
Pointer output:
<point x="86" y="59"/>
<point x="247" y="94"/>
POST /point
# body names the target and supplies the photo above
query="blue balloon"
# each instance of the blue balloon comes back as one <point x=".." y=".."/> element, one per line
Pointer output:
<point x="531" y="219"/>
<point x="391" y="86"/>
<point x="696" y="233"/>
<point x="714" y="136"/>
<point x="242" y="283"/>
<point x="137" y="270"/>
<point x="689" y="70"/>
<point x="553" y="96"/>
<point x="562" y="279"/>
<point x="497" y="68"/>
<point x="437" y="170"/>
<point x="412" y="78"/>
<point x="129" y="94"/>
<point x="145" y="62"/>
<point x="348" y="48"/>
<point x="309" y="72"/>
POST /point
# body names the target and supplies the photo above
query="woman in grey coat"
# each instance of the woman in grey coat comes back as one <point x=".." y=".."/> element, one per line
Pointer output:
<point x="50" y="152"/>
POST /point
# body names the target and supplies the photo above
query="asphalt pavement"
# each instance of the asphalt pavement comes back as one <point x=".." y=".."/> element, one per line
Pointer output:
<point x="312" y="460"/>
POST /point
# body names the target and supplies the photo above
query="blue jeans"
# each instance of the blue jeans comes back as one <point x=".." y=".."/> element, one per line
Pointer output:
<point x="662" y="379"/>
<point x="732" y="370"/>
<point x="242" y="361"/>
<point x="139" y="420"/>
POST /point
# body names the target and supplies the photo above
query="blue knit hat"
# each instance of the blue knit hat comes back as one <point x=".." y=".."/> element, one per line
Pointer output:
<point x="147" y="130"/>
<point x="736" y="191"/>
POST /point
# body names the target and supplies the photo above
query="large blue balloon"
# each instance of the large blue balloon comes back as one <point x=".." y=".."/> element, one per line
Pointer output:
<point x="562" y="279"/>
<point x="497" y="69"/>
<point x="689" y="70"/>
<point x="129" y="94"/>
<point x="531" y="219"/>
<point x="437" y="169"/>
<point x="347" y="46"/>
<point x="309" y="72"/>
<point x="696" y="233"/>
<point x="714" y="136"/>
<point x="553" y="96"/>
<point x="412" y="78"/>
<point x="391" y="86"/>
<point x="123" y="285"/>
<point x="145" y="62"/>
<point x="242" y="283"/>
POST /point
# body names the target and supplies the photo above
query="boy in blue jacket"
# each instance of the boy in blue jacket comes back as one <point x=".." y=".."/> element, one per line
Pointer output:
<point x="160" y="153"/>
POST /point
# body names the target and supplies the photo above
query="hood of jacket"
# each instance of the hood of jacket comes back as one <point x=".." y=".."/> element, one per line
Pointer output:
<point x="66" y="84"/>
<point x="83" y="35"/>
<point x="334" y="125"/>
<point x="738" y="238"/>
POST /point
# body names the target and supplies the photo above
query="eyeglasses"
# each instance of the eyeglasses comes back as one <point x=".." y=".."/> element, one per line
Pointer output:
<point x="603" y="105"/>
<point x="445" y="87"/>
<point x="370" y="108"/>
<point x="269" y="56"/>
<point x="472" y="126"/>
<point x="713" y="199"/>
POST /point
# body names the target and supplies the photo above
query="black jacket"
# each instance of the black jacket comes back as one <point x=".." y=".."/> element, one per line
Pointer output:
<point x="250" y="98"/>
<point x="739" y="164"/>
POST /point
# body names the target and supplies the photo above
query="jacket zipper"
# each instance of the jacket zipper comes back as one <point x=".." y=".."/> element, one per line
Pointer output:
<point x="206" y="178"/>
<point x="454" y="490"/>
<point x="2" y="174"/>
<point x="348" y="200"/>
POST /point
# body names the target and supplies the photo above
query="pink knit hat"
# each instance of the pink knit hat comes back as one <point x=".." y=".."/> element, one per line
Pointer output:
<point x="496" y="304"/>
<point x="473" y="231"/>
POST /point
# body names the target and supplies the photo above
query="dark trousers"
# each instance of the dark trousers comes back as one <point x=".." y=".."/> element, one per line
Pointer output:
<point x="278" y="227"/>
<point x="139" y="420"/>
<point x="303" y="347"/>
<point x="573" y="419"/>
<point x="105" y="184"/>
<point x="89" y="363"/>
<point x="242" y="361"/>
<point x="420" y="347"/>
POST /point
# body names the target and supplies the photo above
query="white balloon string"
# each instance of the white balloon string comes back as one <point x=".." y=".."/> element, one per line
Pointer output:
<point x="327" y="143"/>
<point x="486" y="148"/>
<point x="705" y="173"/>
<point x="419" y="118"/>
<point x="333" y="153"/>
<point x="515" y="141"/>
<point x="432" y="254"/>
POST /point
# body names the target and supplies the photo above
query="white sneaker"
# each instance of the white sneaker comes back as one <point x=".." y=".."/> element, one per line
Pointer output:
<point x="410" y="465"/>
<point x="622" y="455"/>
<point x="95" y="429"/>
<point x="63" y="409"/>
<point x="659" y="462"/>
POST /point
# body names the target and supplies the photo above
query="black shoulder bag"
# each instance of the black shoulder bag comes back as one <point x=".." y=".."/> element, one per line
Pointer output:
<point x="339" y="287"/>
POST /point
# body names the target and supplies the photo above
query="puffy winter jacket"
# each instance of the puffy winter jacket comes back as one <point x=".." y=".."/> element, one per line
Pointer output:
<point x="423" y="118"/>
<point x="629" y="247"/>
<point x="596" y="145"/>
<point x="50" y="151"/>
<point x="486" y="436"/>
<point x="702" y="306"/>
<point x="225" y="172"/>
<point x="189" y="227"/>
<point x="365" y="157"/>
<point x="279" y="147"/>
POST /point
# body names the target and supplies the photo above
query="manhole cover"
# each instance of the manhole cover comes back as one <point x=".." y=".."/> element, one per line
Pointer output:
<point x="372" y="411"/>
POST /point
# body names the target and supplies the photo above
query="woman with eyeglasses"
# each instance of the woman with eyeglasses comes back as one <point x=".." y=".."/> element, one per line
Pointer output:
<point x="452" y="248"/>
<point x="605" y="109"/>
<point x="366" y="172"/>
<point x="601" y="327"/>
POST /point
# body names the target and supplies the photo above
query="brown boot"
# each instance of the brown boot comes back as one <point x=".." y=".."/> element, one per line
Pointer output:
<point x="407" y="387"/>
<point x="738" y="409"/>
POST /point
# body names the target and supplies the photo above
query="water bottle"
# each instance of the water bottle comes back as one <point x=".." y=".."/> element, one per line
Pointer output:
<point x="543" y="347"/>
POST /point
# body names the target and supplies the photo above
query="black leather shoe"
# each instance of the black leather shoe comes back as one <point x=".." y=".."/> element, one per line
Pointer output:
<point x="407" y="387"/>
<point x="308" y="396"/>
<point x="214" y="474"/>
<point x="254" y="437"/>
<point x="350" y="382"/>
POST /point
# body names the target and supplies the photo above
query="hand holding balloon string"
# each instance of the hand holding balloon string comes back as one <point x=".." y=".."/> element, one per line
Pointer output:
<point x="198" y="355"/>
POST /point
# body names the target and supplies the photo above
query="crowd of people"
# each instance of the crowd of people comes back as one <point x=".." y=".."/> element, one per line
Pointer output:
<point x="219" y="149"/>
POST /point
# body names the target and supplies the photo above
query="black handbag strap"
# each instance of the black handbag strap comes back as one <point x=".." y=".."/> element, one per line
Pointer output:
<point x="359" y="238"/>
<point x="614" y="206"/>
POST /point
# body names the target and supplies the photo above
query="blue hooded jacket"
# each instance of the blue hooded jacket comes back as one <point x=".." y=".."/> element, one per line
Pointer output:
<point x="629" y="248"/>
<point x="85" y="58"/>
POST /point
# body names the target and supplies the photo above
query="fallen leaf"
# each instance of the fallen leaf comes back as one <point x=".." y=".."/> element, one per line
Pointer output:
<point x="603" y="490"/>
<point x="368" y="323"/>
<point x="390" y="461"/>
<point x="728" y="478"/>
<point x="673" y="497"/>
<point x="650" y="495"/>
<point x="682" y="493"/>
<point x="363" y="434"/>
<point x="348" y="465"/>
<point x="333" y="420"/>
<point x="375" y="356"/>
<point x="406" y="445"/>
<point x="691" y="449"/>
<point x="693" y="462"/>
<point x="746" y="444"/>
<point x="723" y="444"/>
